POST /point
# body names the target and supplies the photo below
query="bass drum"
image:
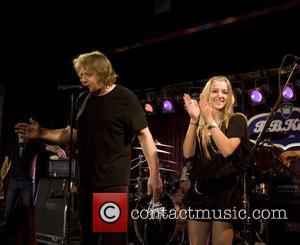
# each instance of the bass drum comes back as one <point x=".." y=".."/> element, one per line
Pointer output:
<point x="267" y="160"/>
<point x="154" y="229"/>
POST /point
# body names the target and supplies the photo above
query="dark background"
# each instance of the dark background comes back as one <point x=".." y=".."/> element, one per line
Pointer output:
<point x="149" y="46"/>
<point x="154" y="50"/>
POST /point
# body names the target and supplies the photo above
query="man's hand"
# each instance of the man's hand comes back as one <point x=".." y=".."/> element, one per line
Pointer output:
<point x="155" y="187"/>
<point x="288" y="156"/>
<point x="57" y="150"/>
<point x="28" y="130"/>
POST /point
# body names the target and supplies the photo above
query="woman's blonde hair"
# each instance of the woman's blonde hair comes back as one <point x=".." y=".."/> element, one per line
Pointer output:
<point x="98" y="62"/>
<point x="202" y="131"/>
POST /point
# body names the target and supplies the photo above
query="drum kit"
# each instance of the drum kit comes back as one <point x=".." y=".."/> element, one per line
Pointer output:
<point x="163" y="231"/>
<point x="267" y="157"/>
<point x="265" y="166"/>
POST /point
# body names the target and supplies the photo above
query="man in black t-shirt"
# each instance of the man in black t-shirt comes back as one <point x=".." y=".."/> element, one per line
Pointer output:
<point x="108" y="117"/>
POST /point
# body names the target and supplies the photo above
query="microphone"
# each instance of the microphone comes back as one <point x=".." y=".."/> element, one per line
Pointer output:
<point x="74" y="87"/>
<point x="21" y="149"/>
<point x="297" y="58"/>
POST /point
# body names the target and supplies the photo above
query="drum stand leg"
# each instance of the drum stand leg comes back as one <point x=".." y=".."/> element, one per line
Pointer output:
<point x="182" y="238"/>
<point x="249" y="232"/>
<point x="246" y="234"/>
<point x="139" y="196"/>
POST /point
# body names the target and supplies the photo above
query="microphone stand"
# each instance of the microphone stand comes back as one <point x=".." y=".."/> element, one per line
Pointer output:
<point x="259" y="140"/>
<point x="272" y="114"/>
<point x="69" y="182"/>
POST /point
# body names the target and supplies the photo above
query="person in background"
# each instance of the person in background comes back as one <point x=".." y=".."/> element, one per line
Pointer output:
<point x="20" y="155"/>
<point x="217" y="144"/>
<point x="108" y="117"/>
<point x="288" y="156"/>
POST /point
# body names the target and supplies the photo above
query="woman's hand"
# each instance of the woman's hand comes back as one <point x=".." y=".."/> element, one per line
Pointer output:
<point x="206" y="110"/>
<point x="192" y="107"/>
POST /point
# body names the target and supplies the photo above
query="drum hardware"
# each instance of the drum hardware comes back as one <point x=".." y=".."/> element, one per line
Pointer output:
<point x="138" y="164"/>
<point x="246" y="233"/>
<point x="139" y="178"/>
<point x="137" y="158"/>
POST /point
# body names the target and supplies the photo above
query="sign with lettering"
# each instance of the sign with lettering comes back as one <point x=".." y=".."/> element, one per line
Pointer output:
<point x="284" y="130"/>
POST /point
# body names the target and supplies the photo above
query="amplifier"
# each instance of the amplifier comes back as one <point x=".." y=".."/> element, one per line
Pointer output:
<point x="285" y="188"/>
<point x="60" y="168"/>
<point x="51" y="211"/>
<point x="284" y="231"/>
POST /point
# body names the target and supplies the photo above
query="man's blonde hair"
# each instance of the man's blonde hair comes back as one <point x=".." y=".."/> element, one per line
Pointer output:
<point x="98" y="62"/>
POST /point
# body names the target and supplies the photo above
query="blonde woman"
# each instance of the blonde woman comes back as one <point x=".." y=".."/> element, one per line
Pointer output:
<point x="217" y="141"/>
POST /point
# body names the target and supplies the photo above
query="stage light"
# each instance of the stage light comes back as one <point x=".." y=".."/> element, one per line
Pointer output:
<point x="167" y="106"/>
<point x="288" y="93"/>
<point x="259" y="94"/>
<point x="148" y="108"/>
<point x="148" y="104"/>
<point x="256" y="96"/>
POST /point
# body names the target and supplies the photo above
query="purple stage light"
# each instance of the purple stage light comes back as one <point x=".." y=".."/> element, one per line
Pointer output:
<point x="168" y="106"/>
<point x="288" y="92"/>
<point x="256" y="96"/>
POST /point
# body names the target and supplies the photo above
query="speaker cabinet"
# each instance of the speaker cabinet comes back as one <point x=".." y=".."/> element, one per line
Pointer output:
<point x="285" y="231"/>
<point x="51" y="211"/>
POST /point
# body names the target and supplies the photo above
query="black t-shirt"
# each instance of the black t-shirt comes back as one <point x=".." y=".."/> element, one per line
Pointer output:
<point x="23" y="158"/>
<point x="106" y="126"/>
<point x="220" y="166"/>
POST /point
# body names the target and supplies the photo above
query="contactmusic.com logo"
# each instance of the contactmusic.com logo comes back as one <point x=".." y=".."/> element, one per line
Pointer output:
<point x="110" y="212"/>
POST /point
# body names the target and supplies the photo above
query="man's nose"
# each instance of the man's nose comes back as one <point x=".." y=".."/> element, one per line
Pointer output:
<point x="83" y="79"/>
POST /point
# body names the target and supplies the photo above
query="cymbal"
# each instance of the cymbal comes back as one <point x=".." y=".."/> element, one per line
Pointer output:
<point x="164" y="169"/>
<point x="161" y="151"/>
<point x="163" y="145"/>
<point x="168" y="161"/>
<point x="168" y="170"/>
<point x="271" y="135"/>
<point x="139" y="179"/>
